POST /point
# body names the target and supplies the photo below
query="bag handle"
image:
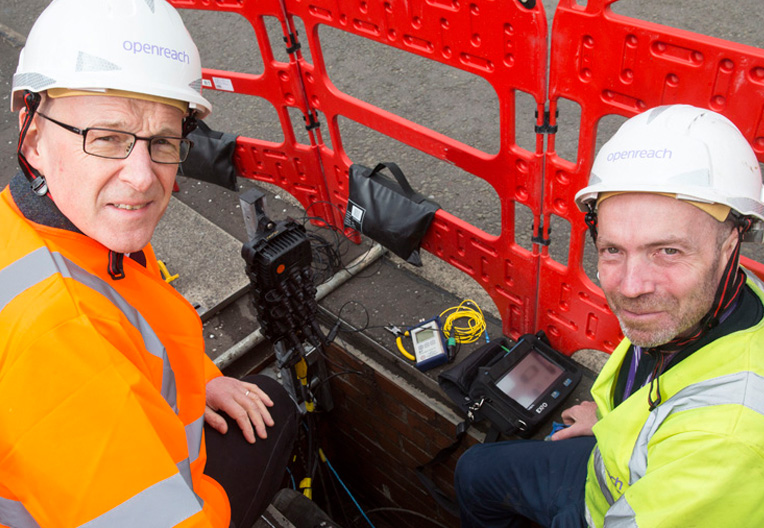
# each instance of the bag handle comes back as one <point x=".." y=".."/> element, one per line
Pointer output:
<point x="397" y="173"/>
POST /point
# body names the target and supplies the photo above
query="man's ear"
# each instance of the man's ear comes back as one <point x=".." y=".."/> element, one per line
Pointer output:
<point x="729" y="245"/>
<point x="31" y="145"/>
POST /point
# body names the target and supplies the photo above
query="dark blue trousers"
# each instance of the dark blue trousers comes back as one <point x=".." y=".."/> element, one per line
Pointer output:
<point x="509" y="484"/>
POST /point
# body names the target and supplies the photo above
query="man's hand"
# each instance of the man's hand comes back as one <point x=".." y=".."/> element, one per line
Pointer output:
<point x="580" y="419"/>
<point x="244" y="402"/>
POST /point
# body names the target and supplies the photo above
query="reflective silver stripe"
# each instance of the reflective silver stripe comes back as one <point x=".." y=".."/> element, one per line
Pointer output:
<point x="184" y="469"/>
<point x="602" y="475"/>
<point x="17" y="277"/>
<point x="165" y="503"/>
<point x="588" y="516"/>
<point x="15" y="515"/>
<point x="621" y="515"/>
<point x="752" y="278"/>
<point x="740" y="388"/>
<point x="194" y="432"/>
<point x="41" y="264"/>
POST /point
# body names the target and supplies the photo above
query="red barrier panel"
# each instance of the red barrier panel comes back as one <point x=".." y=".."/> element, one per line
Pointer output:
<point x="608" y="64"/>
<point x="611" y="64"/>
<point x="499" y="41"/>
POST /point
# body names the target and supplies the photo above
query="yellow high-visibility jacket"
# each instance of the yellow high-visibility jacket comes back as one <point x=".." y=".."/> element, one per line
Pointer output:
<point x="697" y="460"/>
<point x="102" y="388"/>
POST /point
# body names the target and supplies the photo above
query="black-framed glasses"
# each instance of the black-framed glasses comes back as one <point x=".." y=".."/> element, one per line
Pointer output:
<point x="118" y="144"/>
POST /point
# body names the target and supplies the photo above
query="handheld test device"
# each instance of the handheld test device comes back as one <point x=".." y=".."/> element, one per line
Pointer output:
<point x="429" y="344"/>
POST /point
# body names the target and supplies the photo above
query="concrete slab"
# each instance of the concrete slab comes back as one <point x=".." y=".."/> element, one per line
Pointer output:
<point x="206" y="258"/>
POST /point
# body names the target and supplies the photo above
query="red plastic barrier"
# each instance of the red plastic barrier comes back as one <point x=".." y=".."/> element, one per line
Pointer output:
<point x="498" y="40"/>
<point x="612" y="64"/>
<point x="608" y="64"/>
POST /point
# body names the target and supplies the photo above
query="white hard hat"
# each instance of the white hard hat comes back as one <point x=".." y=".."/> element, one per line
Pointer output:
<point x="696" y="154"/>
<point x="138" y="46"/>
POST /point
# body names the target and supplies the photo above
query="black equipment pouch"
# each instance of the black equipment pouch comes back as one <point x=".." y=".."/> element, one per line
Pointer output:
<point x="457" y="381"/>
<point x="388" y="210"/>
<point x="211" y="158"/>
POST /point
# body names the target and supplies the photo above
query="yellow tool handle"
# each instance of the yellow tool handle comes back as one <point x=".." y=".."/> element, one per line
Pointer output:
<point x="166" y="273"/>
<point x="399" y="342"/>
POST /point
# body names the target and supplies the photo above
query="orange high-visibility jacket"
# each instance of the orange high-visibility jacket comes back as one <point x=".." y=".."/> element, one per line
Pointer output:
<point x="102" y="388"/>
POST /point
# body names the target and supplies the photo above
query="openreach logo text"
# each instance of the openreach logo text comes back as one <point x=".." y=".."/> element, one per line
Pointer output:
<point x="639" y="154"/>
<point x="136" y="46"/>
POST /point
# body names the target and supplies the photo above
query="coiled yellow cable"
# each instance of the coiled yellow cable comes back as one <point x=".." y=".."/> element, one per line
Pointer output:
<point x="473" y="326"/>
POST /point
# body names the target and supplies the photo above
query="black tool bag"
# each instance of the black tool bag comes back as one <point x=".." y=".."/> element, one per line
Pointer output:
<point x="211" y="157"/>
<point x="388" y="210"/>
<point x="461" y="384"/>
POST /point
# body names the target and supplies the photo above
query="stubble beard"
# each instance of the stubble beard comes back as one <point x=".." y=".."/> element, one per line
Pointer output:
<point x="680" y="317"/>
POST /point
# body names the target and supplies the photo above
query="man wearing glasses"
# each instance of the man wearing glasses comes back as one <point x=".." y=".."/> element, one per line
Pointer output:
<point x="104" y="383"/>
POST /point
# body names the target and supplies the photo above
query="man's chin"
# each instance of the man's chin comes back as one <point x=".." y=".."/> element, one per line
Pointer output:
<point x="647" y="338"/>
<point x="126" y="243"/>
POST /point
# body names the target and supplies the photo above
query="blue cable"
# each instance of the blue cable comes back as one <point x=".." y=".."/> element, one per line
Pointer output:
<point x="294" y="484"/>
<point x="323" y="457"/>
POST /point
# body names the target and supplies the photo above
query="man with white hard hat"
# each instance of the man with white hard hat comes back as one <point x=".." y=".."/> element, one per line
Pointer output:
<point x="104" y="383"/>
<point x="675" y="435"/>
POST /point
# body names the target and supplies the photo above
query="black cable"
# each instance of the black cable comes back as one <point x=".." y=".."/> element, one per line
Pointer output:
<point x="341" y="239"/>
<point x="307" y="423"/>
<point x="365" y="311"/>
<point x="337" y="365"/>
<point x="325" y="489"/>
<point x="324" y="202"/>
<point x="338" y="325"/>
<point x="334" y="332"/>
<point x="342" y="373"/>
<point x="326" y="259"/>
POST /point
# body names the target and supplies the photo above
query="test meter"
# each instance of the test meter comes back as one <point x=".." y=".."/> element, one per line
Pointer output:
<point x="429" y="344"/>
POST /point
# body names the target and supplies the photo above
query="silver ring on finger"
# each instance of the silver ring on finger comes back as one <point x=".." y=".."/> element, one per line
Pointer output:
<point x="246" y="393"/>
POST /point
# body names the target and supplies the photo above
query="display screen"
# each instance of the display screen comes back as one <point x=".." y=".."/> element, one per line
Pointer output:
<point x="529" y="379"/>
<point x="424" y="335"/>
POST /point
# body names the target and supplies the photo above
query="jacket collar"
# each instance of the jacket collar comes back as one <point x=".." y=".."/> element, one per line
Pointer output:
<point x="42" y="210"/>
<point x="39" y="209"/>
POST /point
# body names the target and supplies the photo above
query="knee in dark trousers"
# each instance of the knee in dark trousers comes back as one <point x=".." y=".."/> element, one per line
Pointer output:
<point x="251" y="474"/>
<point x="517" y="483"/>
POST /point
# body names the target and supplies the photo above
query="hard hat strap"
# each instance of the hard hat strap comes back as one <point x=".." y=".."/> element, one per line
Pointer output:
<point x="189" y="123"/>
<point x="591" y="221"/>
<point x="36" y="180"/>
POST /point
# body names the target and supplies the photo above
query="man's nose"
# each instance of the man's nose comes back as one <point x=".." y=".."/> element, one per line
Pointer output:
<point x="637" y="279"/>
<point x="138" y="169"/>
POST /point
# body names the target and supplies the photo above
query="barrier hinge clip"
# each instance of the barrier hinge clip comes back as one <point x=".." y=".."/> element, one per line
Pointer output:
<point x="546" y="128"/>
<point x="311" y="121"/>
<point x="538" y="237"/>
<point x="292" y="43"/>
